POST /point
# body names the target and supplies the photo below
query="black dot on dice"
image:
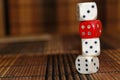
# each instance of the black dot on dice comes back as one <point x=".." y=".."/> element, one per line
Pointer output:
<point x="86" y="60"/>
<point x="96" y="67"/>
<point x="78" y="60"/>
<point x="86" y="42"/>
<point x="86" y="51"/>
<point x="92" y="60"/>
<point x="78" y="64"/>
<point x="86" y="65"/>
<point x="79" y="69"/>
<point x="86" y="69"/>
<point x="93" y="6"/>
<point x="96" y="51"/>
<point x="88" y="11"/>
<point x="94" y="64"/>
<point x="91" y="47"/>
<point x="95" y="42"/>
<point x="84" y="16"/>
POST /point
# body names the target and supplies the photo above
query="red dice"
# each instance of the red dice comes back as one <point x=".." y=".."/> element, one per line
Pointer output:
<point x="90" y="29"/>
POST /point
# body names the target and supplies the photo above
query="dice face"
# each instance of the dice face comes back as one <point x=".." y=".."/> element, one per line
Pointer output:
<point x="90" y="29"/>
<point x="95" y="65"/>
<point x="91" y="47"/>
<point x="86" y="11"/>
<point x="87" y="65"/>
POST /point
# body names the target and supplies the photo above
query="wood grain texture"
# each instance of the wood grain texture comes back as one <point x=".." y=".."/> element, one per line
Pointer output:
<point x="46" y="60"/>
<point x="25" y="17"/>
<point x="112" y="17"/>
<point x="2" y="25"/>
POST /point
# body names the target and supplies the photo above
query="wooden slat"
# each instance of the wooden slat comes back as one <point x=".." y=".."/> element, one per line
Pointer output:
<point x="62" y="69"/>
<point x="56" y="68"/>
<point x="35" y="71"/>
<point x="67" y="68"/>
<point x="30" y="63"/>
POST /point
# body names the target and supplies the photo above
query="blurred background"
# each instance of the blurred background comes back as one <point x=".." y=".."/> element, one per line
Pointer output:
<point x="37" y="17"/>
<point x="36" y="35"/>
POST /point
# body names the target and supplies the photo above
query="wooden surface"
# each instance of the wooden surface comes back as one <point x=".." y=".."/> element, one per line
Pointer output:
<point x="2" y="19"/>
<point x="55" y="60"/>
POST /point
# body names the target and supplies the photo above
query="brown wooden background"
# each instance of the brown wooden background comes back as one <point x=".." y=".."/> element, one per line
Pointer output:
<point x="52" y="58"/>
<point x="34" y="17"/>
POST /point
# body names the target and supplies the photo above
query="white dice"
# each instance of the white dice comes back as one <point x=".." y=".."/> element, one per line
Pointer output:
<point x="86" y="11"/>
<point x="87" y="65"/>
<point x="91" y="47"/>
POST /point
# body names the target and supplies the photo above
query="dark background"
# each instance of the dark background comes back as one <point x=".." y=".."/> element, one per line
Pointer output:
<point x="37" y="17"/>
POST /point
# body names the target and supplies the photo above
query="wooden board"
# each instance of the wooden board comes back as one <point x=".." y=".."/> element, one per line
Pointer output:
<point x="55" y="60"/>
<point x="2" y="19"/>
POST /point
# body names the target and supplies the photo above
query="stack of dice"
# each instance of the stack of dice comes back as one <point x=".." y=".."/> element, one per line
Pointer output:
<point x="90" y="31"/>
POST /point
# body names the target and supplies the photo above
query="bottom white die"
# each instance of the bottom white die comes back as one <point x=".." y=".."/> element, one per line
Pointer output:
<point x="87" y="65"/>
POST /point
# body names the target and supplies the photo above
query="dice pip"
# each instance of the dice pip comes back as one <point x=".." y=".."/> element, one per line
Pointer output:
<point x="90" y="30"/>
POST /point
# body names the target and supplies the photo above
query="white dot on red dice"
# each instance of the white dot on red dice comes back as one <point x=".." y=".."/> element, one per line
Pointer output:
<point x="88" y="26"/>
<point x="97" y="25"/>
<point x="83" y="33"/>
<point x="83" y="27"/>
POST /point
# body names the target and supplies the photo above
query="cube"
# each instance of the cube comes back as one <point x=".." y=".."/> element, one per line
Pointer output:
<point x="87" y="65"/>
<point x="90" y="29"/>
<point x="91" y="47"/>
<point x="86" y="11"/>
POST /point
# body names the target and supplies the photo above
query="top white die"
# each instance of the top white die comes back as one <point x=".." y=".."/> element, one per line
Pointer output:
<point x="87" y="11"/>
